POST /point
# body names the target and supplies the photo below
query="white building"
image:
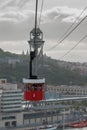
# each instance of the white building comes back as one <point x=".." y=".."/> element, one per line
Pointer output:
<point x="68" y="90"/>
<point x="10" y="104"/>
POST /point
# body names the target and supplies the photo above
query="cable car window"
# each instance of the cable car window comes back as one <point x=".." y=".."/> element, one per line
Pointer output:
<point x="40" y="87"/>
<point x="24" y="88"/>
<point x="27" y="87"/>
<point x="34" y="87"/>
<point x="30" y="86"/>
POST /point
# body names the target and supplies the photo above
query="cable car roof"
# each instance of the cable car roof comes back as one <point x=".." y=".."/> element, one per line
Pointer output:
<point x="32" y="81"/>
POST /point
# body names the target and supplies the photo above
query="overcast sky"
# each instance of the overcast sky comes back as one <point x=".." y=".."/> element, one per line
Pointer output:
<point x="17" y="20"/>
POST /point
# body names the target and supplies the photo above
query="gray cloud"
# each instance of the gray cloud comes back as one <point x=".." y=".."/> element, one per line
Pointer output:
<point x="17" y="20"/>
<point x="14" y="3"/>
<point x="13" y="23"/>
<point x="65" y="14"/>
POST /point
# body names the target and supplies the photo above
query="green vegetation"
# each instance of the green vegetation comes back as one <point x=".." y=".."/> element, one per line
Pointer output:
<point x="54" y="74"/>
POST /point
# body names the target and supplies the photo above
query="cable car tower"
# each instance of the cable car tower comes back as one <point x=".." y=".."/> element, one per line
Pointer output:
<point x="34" y="85"/>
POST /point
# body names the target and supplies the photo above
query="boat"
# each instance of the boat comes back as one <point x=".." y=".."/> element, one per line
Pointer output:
<point x="48" y="127"/>
<point x="78" y="124"/>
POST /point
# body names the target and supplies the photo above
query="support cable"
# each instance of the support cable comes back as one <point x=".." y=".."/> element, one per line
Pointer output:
<point x="69" y="32"/>
<point x="33" y="53"/>
<point x="40" y="13"/>
<point x="36" y="15"/>
<point x="74" y="47"/>
<point x="70" y="27"/>
<point x="35" y="23"/>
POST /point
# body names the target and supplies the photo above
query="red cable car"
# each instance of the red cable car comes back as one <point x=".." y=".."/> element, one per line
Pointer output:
<point x="34" y="89"/>
<point x="34" y="86"/>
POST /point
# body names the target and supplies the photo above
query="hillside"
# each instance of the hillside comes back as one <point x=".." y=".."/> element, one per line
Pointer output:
<point x="15" y="67"/>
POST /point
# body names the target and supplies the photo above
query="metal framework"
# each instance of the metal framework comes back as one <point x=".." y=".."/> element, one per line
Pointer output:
<point x="36" y="48"/>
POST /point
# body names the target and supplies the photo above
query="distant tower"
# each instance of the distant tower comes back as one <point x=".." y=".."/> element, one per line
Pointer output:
<point x="34" y="85"/>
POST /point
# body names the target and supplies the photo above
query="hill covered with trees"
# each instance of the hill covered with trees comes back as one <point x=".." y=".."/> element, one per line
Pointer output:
<point x="15" y="67"/>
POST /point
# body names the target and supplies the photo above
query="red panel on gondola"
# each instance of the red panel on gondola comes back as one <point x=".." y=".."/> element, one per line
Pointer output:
<point x="33" y="96"/>
<point x="33" y="92"/>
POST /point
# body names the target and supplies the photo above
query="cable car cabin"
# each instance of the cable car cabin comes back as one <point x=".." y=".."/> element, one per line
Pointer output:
<point x="33" y="89"/>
